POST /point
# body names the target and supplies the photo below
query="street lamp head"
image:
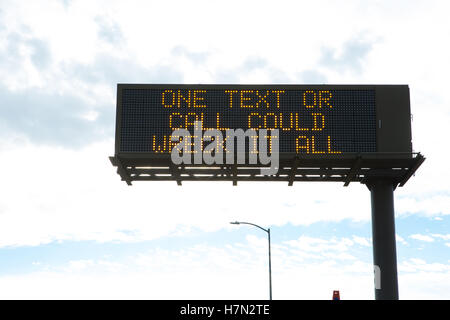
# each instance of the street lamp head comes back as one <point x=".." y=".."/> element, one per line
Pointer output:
<point x="236" y="222"/>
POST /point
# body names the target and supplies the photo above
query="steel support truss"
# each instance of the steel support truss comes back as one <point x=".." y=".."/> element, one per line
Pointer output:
<point x="346" y="168"/>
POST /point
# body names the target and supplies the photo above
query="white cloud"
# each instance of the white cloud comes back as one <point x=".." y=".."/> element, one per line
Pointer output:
<point x="433" y="204"/>
<point x="424" y="286"/>
<point x="400" y="239"/>
<point x="415" y="264"/>
<point x="441" y="236"/>
<point x="198" y="272"/>
<point x="421" y="237"/>
<point x="90" y="115"/>
<point x="78" y="265"/>
<point x="365" y="242"/>
<point x="330" y="248"/>
<point x="211" y="272"/>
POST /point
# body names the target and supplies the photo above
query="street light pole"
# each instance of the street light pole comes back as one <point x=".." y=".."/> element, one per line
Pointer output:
<point x="270" y="264"/>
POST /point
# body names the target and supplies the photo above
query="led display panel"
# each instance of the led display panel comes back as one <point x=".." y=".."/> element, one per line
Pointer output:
<point x="310" y="119"/>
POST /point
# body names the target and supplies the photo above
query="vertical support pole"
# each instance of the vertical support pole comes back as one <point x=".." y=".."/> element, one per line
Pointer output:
<point x="270" y="267"/>
<point x="383" y="236"/>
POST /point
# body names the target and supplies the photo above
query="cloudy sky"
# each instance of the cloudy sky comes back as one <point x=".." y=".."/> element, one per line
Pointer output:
<point x="69" y="228"/>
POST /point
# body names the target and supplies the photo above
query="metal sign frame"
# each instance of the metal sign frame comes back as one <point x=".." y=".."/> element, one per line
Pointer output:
<point x="394" y="156"/>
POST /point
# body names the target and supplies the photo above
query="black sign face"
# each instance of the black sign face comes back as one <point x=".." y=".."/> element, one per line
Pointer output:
<point x="310" y="120"/>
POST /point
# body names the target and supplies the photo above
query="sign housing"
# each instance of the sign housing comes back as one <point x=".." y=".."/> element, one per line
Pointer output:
<point x="321" y="128"/>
